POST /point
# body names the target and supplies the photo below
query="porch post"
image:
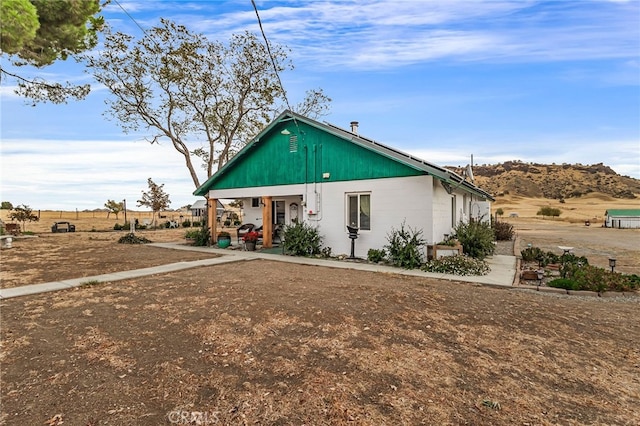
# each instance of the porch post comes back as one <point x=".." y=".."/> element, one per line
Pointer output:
<point x="267" y="223"/>
<point x="212" y="205"/>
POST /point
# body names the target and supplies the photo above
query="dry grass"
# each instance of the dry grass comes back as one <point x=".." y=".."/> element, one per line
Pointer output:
<point x="263" y="343"/>
<point x="574" y="210"/>
<point x="254" y="345"/>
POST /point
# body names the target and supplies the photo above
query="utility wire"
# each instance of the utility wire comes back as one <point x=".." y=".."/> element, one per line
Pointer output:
<point x="130" y="17"/>
<point x="273" y="62"/>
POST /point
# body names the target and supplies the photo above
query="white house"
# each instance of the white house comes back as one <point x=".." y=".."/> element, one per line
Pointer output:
<point x="298" y="169"/>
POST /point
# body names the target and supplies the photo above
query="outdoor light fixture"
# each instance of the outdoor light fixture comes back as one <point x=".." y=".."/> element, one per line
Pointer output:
<point x="285" y="132"/>
<point x="612" y="263"/>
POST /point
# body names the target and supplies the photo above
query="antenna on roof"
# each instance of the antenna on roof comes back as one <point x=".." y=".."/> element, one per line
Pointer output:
<point x="468" y="172"/>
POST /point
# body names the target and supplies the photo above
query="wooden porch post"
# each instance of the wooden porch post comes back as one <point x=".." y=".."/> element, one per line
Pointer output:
<point x="212" y="205"/>
<point x="267" y="223"/>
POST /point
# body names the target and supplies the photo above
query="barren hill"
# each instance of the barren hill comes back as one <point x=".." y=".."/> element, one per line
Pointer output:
<point x="555" y="181"/>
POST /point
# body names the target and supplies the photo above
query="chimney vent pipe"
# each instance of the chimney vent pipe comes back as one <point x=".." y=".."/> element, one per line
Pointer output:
<point x="354" y="127"/>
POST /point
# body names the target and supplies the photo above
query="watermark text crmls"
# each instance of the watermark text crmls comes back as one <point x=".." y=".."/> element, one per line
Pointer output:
<point x="198" y="418"/>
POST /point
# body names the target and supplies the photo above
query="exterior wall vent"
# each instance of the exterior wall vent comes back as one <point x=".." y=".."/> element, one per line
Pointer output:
<point x="293" y="143"/>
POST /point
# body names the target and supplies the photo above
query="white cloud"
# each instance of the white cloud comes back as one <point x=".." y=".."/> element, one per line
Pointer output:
<point x="74" y="174"/>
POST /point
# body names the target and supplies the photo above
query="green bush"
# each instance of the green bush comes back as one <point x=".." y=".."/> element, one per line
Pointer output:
<point x="476" y="238"/>
<point x="200" y="236"/>
<point x="531" y="254"/>
<point x="503" y="231"/>
<point x="405" y="246"/>
<point x="577" y="274"/>
<point x="457" y="265"/>
<point x="549" y="211"/>
<point x="565" y="283"/>
<point x="570" y="264"/>
<point x="301" y="239"/>
<point x="132" y="238"/>
<point x="197" y="223"/>
<point x="375" y="255"/>
<point x="186" y="224"/>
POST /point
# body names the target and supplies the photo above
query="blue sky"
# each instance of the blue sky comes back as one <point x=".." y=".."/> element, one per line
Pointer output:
<point x="537" y="81"/>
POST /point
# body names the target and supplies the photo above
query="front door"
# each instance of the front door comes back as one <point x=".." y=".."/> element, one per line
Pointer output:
<point x="278" y="212"/>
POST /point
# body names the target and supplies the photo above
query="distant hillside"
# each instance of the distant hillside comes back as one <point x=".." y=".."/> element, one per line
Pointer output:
<point x="552" y="181"/>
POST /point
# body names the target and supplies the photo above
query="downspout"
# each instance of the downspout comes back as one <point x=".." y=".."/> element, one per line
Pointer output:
<point x="319" y="199"/>
<point x="306" y="178"/>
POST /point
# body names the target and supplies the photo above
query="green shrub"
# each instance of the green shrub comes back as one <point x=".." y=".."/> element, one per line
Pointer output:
<point x="301" y="239"/>
<point x="570" y="264"/>
<point x="405" y="247"/>
<point x="531" y="254"/>
<point x="203" y="237"/>
<point x="549" y="211"/>
<point x="117" y="227"/>
<point x="450" y="241"/>
<point x="476" y="238"/>
<point x="132" y="238"/>
<point x="587" y="277"/>
<point x="503" y="231"/>
<point x="197" y="223"/>
<point x="457" y="265"/>
<point x="192" y="234"/>
<point x="565" y="283"/>
<point x="186" y="224"/>
<point x="200" y="236"/>
<point x="375" y="255"/>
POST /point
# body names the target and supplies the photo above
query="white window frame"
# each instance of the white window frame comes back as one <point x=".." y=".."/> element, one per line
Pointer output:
<point x="347" y="203"/>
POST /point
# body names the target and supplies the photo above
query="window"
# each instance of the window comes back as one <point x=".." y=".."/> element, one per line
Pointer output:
<point x="359" y="211"/>
<point x="255" y="202"/>
<point x="453" y="212"/>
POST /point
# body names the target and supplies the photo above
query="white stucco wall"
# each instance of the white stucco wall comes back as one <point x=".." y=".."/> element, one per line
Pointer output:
<point x="420" y="201"/>
<point x="441" y="213"/>
<point x="623" y="222"/>
<point x="392" y="202"/>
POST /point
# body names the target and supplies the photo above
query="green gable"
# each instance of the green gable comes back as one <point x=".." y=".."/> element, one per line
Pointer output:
<point x="302" y="156"/>
<point x="296" y="150"/>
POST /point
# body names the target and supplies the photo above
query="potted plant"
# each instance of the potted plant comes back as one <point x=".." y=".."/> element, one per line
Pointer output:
<point x="450" y="246"/>
<point x="224" y="239"/>
<point x="250" y="239"/>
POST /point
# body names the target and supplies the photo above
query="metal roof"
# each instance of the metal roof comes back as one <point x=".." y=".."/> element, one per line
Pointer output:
<point x="445" y="175"/>
<point x="623" y="212"/>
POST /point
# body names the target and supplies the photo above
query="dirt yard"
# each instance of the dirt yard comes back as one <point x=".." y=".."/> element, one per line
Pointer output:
<point x="269" y="343"/>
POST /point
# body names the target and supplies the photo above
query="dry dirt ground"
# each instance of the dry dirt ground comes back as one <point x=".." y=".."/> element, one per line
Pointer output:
<point x="268" y="343"/>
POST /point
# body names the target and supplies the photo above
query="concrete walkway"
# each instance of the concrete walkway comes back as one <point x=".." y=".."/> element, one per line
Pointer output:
<point x="503" y="269"/>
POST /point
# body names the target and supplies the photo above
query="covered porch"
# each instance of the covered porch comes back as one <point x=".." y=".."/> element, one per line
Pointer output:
<point x="265" y="212"/>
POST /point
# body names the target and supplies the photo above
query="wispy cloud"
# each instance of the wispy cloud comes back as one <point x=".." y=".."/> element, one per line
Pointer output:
<point x="93" y="171"/>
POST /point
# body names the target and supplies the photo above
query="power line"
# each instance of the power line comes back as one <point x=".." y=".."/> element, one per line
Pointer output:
<point x="130" y="17"/>
<point x="273" y="62"/>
